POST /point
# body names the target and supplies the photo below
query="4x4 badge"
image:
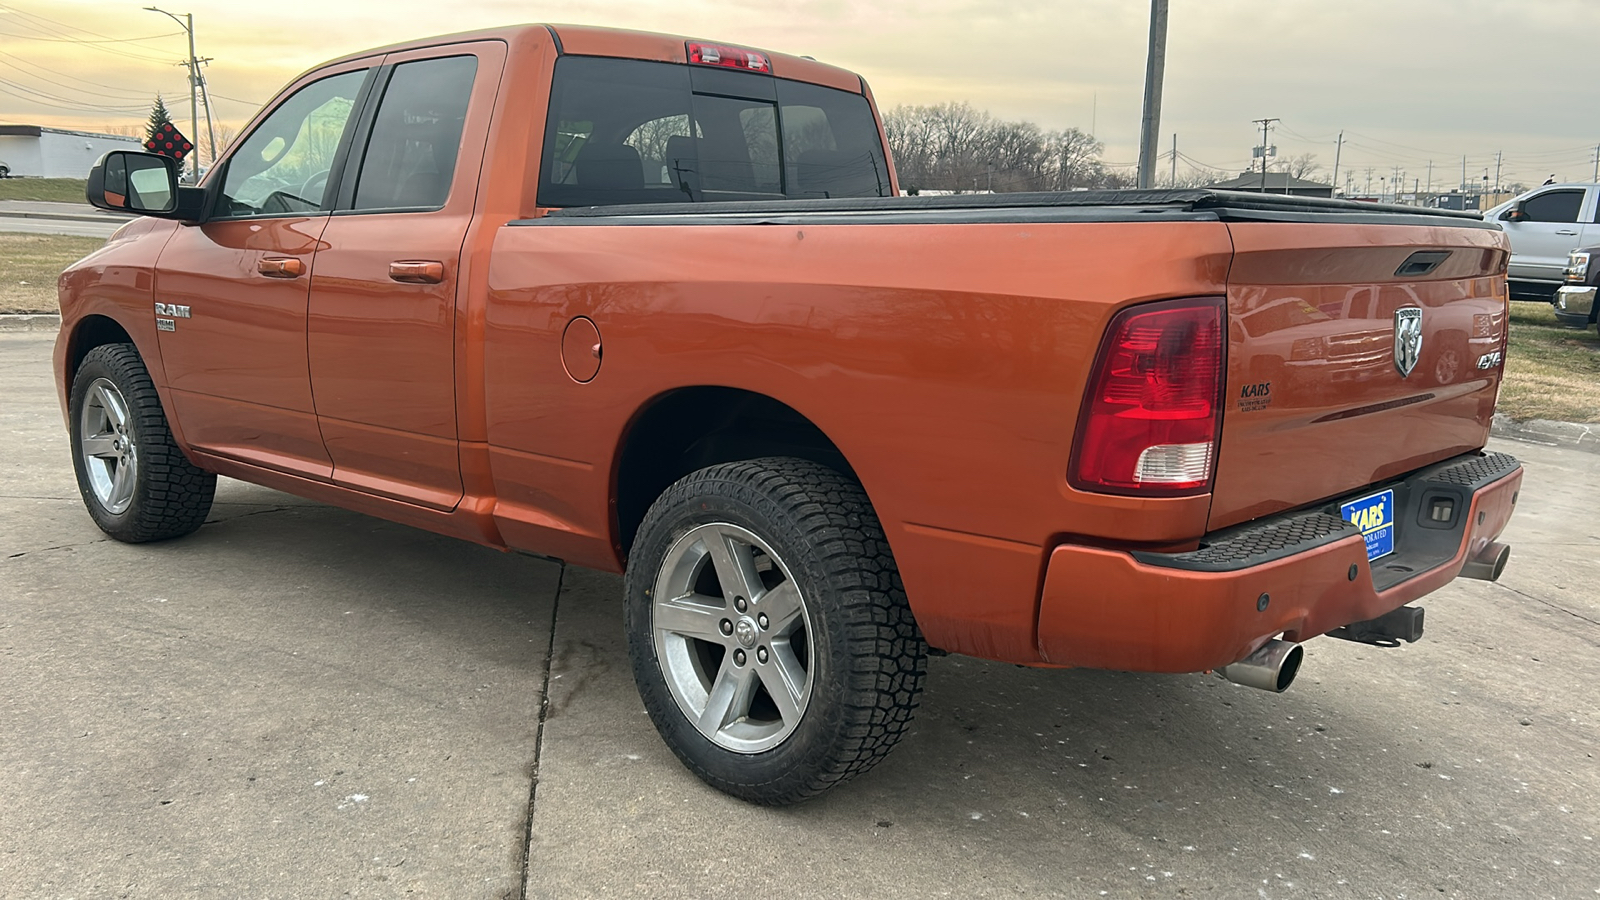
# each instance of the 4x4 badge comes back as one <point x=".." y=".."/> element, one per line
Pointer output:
<point x="1407" y="339"/>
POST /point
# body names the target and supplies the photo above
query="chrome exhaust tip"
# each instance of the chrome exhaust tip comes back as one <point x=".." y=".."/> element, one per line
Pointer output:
<point x="1489" y="562"/>
<point x="1271" y="668"/>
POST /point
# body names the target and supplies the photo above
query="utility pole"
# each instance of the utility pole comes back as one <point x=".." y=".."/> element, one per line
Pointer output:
<point x="1337" y="147"/>
<point x="1154" y="72"/>
<point x="196" y="86"/>
<point x="1398" y="182"/>
<point x="1369" y="181"/>
<point x="1499" y="153"/>
<point x="1463" y="174"/>
<point x="1172" y="180"/>
<point x="1264" y="148"/>
<point x="1430" y="176"/>
<point x="1596" y="165"/>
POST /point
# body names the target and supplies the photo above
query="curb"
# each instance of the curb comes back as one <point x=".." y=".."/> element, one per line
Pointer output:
<point x="26" y="322"/>
<point x="66" y="217"/>
<point x="1548" y="433"/>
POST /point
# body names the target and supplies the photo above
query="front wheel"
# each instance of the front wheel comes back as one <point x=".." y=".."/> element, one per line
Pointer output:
<point x="135" y="481"/>
<point x="770" y="637"/>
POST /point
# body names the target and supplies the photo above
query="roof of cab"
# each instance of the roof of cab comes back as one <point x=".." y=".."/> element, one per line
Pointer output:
<point x="590" y="40"/>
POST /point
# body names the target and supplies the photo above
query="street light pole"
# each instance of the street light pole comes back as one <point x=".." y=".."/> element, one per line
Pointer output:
<point x="1154" y="72"/>
<point x="195" y="86"/>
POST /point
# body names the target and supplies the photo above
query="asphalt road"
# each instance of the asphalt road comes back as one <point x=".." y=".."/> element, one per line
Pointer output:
<point x="298" y="701"/>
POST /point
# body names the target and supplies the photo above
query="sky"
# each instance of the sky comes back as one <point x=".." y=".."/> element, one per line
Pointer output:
<point x="1408" y="82"/>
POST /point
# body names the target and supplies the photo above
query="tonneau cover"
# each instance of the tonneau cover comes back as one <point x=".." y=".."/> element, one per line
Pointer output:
<point x="1224" y="205"/>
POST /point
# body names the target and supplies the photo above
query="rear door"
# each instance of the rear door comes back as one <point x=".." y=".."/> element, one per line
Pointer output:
<point x="383" y="311"/>
<point x="1553" y="228"/>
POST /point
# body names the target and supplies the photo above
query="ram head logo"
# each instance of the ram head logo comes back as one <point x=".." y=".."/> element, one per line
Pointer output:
<point x="1407" y="339"/>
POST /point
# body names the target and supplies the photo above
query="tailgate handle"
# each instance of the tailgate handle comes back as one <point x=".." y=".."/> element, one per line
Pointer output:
<point x="417" y="271"/>
<point x="281" y="267"/>
<point x="1421" y="263"/>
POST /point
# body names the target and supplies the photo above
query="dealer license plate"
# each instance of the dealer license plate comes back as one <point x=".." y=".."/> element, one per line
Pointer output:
<point x="1374" y="515"/>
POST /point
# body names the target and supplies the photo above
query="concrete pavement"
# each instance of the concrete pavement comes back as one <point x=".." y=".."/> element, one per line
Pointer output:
<point x="297" y="701"/>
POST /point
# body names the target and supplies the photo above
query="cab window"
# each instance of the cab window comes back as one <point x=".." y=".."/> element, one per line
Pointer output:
<point x="630" y="131"/>
<point x="282" y="168"/>
<point x="1554" y="206"/>
<point x="410" y="159"/>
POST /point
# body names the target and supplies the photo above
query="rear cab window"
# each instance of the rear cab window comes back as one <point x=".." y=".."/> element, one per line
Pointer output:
<point x="630" y="131"/>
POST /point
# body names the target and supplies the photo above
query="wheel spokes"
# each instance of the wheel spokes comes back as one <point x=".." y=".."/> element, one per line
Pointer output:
<point x="785" y="681"/>
<point x="782" y="607"/>
<point x="735" y="563"/>
<point x="729" y="700"/>
<point x="122" y="482"/>
<point x="693" y="616"/>
<point x="111" y="403"/>
<point x="100" y="446"/>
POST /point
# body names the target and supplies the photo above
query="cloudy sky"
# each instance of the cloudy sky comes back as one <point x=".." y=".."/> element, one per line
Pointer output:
<point x="1408" y="81"/>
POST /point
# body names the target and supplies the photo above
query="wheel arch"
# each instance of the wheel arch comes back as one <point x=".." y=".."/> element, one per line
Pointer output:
<point x="88" y="333"/>
<point x="686" y="429"/>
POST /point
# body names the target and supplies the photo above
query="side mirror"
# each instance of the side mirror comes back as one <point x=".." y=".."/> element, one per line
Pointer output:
<point x="126" y="181"/>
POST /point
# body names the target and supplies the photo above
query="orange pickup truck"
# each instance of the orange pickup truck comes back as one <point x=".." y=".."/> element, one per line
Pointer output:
<point x="651" y="305"/>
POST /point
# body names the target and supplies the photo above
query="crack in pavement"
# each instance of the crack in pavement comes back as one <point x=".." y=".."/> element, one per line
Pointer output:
<point x="58" y="547"/>
<point x="1555" y="606"/>
<point x="538" y="736"/>
<point x="259" y="512"/>
<point x="31" y="497"/>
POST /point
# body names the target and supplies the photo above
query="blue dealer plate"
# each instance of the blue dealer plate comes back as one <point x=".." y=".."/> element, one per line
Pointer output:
<point x="1375" y="517"/>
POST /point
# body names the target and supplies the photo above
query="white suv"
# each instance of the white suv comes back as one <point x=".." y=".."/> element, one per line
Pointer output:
<point x="1545" y="225"/>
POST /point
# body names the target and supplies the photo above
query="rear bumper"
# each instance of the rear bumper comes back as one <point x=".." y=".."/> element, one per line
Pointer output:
<point x="1298" y="574"/>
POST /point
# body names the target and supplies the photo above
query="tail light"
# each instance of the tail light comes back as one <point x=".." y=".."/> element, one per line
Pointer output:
<point x="1153" y="412"/>
<point x="728" y="57"/>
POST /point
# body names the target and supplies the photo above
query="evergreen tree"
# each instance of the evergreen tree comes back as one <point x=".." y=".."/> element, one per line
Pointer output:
<point x="159" y="117"/>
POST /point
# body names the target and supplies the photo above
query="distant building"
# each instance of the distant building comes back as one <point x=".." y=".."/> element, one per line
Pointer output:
<point x="35" y="151"/>
<point x="1276" y="183"/>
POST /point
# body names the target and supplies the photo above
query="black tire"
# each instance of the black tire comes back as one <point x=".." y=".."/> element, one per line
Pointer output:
<point x="137" y="485"/>
<point x="864" y="658"/>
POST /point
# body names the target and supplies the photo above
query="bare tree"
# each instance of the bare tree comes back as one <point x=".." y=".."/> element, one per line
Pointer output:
<point x="954" y="147"/>
<point x="1303" y="166"/>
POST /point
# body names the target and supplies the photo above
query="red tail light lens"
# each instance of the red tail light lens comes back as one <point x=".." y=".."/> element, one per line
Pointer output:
<point x="1153" y="413"/>
<point x="729" y="57"/>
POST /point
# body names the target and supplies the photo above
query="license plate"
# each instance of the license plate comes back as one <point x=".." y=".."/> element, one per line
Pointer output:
<point x="1374" y="515"/>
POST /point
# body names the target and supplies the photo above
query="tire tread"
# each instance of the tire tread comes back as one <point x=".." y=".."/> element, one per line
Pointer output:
<point x="881" y="680"/>
<point x="176" y="495"/>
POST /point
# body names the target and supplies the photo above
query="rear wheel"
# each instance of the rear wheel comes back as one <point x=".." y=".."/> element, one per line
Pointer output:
<point x="137" y="485"/>
<point x="770" y="637"/>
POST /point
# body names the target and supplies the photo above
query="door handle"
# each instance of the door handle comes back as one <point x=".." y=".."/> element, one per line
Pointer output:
<point x="1569" y="233"/>
<point x="417" y="271"/>
<point x="281" y="267"/>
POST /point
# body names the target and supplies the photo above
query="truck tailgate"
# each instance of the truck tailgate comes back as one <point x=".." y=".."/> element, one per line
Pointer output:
<point x="1326" y="391"/>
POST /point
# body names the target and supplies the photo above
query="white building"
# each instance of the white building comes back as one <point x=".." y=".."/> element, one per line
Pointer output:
<point x="31" y="150"/>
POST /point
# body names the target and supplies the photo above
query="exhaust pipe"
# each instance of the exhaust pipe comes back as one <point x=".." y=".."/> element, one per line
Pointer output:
<point x="1489" y="562"/>
<point x="1270" y="668"/>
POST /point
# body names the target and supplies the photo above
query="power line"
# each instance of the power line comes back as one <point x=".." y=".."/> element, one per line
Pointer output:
<point x="59" y="74"/>
<point x="69" y="40"/>
<point x="121" y="96"/>
<point x="54" y="28"/>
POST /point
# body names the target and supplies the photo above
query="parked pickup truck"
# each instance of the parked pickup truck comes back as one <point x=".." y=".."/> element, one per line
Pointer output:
<point x="651" y="305"/>
<point x="1575" y="306"/>
<point x="1544" y="225"/>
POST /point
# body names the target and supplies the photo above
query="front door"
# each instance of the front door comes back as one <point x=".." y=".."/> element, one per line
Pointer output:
<point x="1553" y="228"/>
<point x="234" y="290"/>
<point x="382" y="324"/>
